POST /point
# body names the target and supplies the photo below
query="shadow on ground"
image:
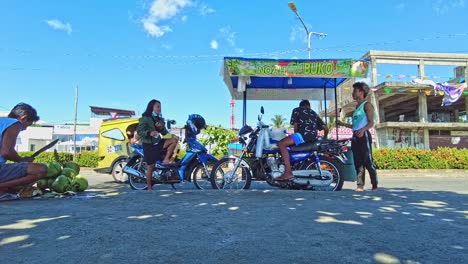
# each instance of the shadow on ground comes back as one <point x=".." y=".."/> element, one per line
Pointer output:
<point x="117" y="224"/>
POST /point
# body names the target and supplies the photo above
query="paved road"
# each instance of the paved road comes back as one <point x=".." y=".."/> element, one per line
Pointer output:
<point x="417" y="217"/>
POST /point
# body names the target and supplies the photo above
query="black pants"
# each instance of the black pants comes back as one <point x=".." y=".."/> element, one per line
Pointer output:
<point x="362" y="152"/>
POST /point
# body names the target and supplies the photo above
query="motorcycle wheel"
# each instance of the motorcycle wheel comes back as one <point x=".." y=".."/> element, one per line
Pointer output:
<point x="137" y="183"/>
<point x="224" y="177"/>
<point x="117" y="171"/>
<point x="330" y="165"/>
<point x="200" y="178"/>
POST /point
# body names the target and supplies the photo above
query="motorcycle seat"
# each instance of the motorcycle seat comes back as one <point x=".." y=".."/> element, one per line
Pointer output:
<point x="306" y="147"/>
<point x="317" y="145"/>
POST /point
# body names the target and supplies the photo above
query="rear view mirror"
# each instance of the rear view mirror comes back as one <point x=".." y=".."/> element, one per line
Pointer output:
<point x="169" y="123"/>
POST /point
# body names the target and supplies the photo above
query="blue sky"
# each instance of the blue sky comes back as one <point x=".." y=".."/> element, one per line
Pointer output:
<point x="121" y="54"/>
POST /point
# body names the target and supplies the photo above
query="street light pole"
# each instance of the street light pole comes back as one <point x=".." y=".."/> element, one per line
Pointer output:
<point x="292" y="6"/>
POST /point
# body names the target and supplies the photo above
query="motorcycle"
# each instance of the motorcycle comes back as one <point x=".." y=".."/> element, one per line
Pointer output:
<point x="194" y="166"/>
<point x="316" y="165"/>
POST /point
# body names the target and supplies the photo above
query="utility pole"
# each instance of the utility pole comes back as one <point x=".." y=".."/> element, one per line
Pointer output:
<point x="293" y="8"/>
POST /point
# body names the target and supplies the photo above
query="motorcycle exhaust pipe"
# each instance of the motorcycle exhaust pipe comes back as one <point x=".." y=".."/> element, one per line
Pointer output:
<point x="132" y="171"/>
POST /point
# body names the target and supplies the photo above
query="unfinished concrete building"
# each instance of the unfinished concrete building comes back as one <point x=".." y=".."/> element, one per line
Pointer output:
<point x="408" y="114"/>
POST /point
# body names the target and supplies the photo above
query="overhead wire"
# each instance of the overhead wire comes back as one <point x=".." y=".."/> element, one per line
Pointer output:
<point x="169" y="59"/>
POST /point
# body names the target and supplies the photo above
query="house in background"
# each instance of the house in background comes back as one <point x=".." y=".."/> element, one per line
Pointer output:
<point x="87" y="133"/>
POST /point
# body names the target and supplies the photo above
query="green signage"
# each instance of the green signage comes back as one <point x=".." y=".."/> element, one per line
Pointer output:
<point x="305" y="68"/>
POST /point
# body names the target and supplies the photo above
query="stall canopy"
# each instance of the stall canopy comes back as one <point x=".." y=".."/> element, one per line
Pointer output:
<point x="271" y="79"/>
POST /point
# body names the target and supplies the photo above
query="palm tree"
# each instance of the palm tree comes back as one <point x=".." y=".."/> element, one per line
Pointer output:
<point x="331" y="122"/>
<point x="279" y="121"/>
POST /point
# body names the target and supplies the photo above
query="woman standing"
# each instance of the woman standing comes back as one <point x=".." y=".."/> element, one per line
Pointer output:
<point x="151" y="129"/>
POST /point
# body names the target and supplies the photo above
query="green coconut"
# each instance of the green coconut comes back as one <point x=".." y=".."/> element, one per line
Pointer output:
<point x="72" y="165"/>
<point x="61" y="184"/>
<point x="42" y="184"/>
<point x="54" y="169"/>
<point x="49" y="182"/>
<point x="79" y="183"/>
<point x="69" y="172"/>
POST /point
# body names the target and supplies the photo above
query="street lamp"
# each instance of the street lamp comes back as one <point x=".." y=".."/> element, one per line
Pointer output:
<point x="292" y="6"/>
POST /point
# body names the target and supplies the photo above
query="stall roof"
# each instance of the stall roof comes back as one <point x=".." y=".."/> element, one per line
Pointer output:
<point x="283" y="79"/>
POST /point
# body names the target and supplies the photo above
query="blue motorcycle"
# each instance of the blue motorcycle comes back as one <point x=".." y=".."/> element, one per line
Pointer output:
<point x="316" y="165"/>
<point x="194" y="166"/>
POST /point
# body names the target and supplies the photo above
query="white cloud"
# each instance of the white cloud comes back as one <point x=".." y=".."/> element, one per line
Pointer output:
<point x="240" y="51"/>
<point x="441" y="7"/>
<point x="205" y="10"/>
<point x="184" y="18"/>
<point x="298" y="33"/>
<point x="214" y="44"/>
<point x="59" y="25"/>
<point x="162" y="10"/>
<point x="228" y="35"/>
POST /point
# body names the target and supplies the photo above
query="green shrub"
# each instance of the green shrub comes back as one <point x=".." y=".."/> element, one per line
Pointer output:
<point x="412" y="158"/>
<point x="83" y="159"/>
<point x="46" y="157"/>
<point x="87" y="159"/>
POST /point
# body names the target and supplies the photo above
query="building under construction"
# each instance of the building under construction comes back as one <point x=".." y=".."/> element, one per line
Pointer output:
<point x="411" y="114"/>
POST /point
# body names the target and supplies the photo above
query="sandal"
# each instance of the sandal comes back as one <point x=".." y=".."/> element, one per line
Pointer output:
<point x="170" y="163"/>
<point x="8" y="197"/>
<point x="279" y="179"/>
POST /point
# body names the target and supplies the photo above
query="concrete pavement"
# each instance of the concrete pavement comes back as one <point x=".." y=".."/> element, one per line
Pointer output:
<point x="416" y="217"/>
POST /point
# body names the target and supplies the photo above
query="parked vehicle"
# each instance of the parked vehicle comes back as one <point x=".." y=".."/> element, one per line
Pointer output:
<point x="316" y="165"/>
<point x="114" y="146"/>
<point x="194" y="166"/>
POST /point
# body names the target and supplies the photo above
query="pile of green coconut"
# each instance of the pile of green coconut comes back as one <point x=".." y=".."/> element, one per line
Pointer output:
<point x="62" y="178"/>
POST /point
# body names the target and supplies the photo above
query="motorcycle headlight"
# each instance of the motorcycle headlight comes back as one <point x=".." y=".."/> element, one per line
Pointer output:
<point x="244" y="139"/>
<point x="244" y="134"/>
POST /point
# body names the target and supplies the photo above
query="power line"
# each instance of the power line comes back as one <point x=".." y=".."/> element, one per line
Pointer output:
<point x="271" y="53"/>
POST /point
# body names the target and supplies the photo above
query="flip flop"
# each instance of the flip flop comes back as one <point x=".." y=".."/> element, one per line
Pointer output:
<point x="283" y="179"/>
<point x="8" y="197"/>
<point x="172" y="163"/>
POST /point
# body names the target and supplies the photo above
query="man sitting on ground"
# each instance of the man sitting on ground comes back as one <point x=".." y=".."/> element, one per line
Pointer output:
<point x="23" y="172"/>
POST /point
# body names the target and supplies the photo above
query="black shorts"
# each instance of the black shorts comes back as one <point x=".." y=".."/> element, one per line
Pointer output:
<point x="152" y="152"/>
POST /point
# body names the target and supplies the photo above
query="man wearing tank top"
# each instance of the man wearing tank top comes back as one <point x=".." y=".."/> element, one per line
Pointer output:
<point x="361" y="142"/>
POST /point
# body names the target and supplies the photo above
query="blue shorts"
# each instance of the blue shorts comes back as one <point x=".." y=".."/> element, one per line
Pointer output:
<point x="13" y="171"/>
<point x="297" y="138"/>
